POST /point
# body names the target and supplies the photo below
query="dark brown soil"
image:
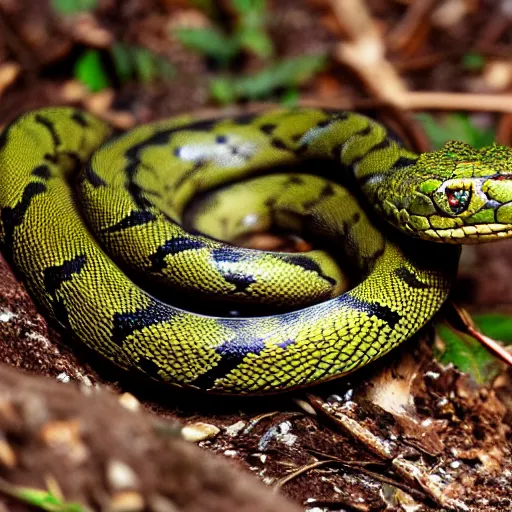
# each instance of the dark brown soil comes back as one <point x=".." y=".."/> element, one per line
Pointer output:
<point x="104" y="455"/>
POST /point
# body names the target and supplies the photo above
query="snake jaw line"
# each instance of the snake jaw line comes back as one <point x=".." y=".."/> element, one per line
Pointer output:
<point x="470" y="234"/>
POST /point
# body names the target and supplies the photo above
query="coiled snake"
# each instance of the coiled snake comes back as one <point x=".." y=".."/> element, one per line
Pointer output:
<point x="132" y="199"/>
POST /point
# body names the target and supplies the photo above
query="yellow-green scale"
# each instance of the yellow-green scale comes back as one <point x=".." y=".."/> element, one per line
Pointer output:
<point x="133" y="195"/>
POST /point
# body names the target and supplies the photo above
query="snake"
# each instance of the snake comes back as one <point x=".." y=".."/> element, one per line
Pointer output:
<point x="122" y="238"/>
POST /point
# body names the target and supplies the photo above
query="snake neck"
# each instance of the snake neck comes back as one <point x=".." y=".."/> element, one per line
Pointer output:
<point x="387" y="174"/>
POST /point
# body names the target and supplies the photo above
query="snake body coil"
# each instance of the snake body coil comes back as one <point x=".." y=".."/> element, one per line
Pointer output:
<point x="135" y="195"/>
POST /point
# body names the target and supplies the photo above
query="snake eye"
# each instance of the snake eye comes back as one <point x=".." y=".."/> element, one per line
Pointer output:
<point x="458" y="199"/>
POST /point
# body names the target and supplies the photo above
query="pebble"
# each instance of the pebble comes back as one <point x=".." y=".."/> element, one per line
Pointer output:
<point x="199" y="431"/>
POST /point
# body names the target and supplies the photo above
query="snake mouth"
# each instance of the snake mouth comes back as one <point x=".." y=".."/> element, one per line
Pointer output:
<point x="476" y="233"/>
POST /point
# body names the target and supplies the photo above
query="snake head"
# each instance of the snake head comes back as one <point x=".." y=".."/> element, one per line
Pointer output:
<point x="464" y="194"/>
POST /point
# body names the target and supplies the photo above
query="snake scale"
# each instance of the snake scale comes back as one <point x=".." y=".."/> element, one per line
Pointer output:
<point x="70" y="194"/>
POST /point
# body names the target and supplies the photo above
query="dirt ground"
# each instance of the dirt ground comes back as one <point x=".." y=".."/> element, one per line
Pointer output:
<point x="406" y="433"/>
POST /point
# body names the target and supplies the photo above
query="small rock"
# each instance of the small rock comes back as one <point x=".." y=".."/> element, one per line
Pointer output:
<point x="498" y="75"/>
<point x="121" y="476"/>
<point x="128" y="401"/>
<point x="235" y="428"/>
<point x="6" y="315"/>
<point x="63" y="377"/>
<point x="126" y="501"/>
<point x="305" y="406"/>
<point x="7" y="455"/>
<point x="88" y="31"/>
<point x="64" y="437"/>
<point x="158" y="503"/>
<point x="73" y="90"/>
<point x="9" y="71"/>
<point x="199" y="431"/>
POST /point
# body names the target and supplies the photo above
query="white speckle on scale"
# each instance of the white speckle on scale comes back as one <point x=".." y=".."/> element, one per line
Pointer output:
<point x="251" y="219"/>
<point x="232" y="153"/>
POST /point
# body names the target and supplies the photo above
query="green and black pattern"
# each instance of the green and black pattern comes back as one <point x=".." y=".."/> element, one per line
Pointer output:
<point x="135" y="194"/>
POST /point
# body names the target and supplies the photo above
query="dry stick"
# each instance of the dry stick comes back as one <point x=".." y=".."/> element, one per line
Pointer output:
<point x="300" y="471"/>
<point x="462" y="321"/>
<point x="257" y="419"/>
<point x="352" y="467"/>
<point x="421" y="62"/>
<point x="364" y="52"/>
<point x="492" y="345"/>
<point x="498" y="23"/>
<point x="18" y="47"/>
<point x="360" y="467"/>
<point x="412" y="26"/>
<point x="9" y="71"/>
<point x="425" y="100"/>
<point x="504" y="132"/>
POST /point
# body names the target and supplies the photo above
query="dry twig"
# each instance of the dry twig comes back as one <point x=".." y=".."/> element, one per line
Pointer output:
<point x="364" y="52"/>
<point x="412" y="30"/>
<point x="426" y="100"/>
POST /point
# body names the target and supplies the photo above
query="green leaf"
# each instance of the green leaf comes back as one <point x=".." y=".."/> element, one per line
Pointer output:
<point x="89" y="70"/>
<point x="141" y="62"/>
<point x="467" y="354"/>
<point x="221" y="89"/>
<point x="496" y="326"/>
<point x="286" y="73"/>
<point x="256" y="41"/>
<point x="165" y="69"/>
<point x="473" y="61"/>
<point x="144" y="64"/>
<point x="434" y="132"/>
<point x="73" y="6"/>
<point x="210" y="42"/>
<point x="123" y="62"/>
<point x="247" y="6"/>
<point x="290" y="98"/>
<point x="454" y="126"/>
<point x="43" y="500"/>
<point x="207" y="6"/>
<point x="471" y="356"/>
